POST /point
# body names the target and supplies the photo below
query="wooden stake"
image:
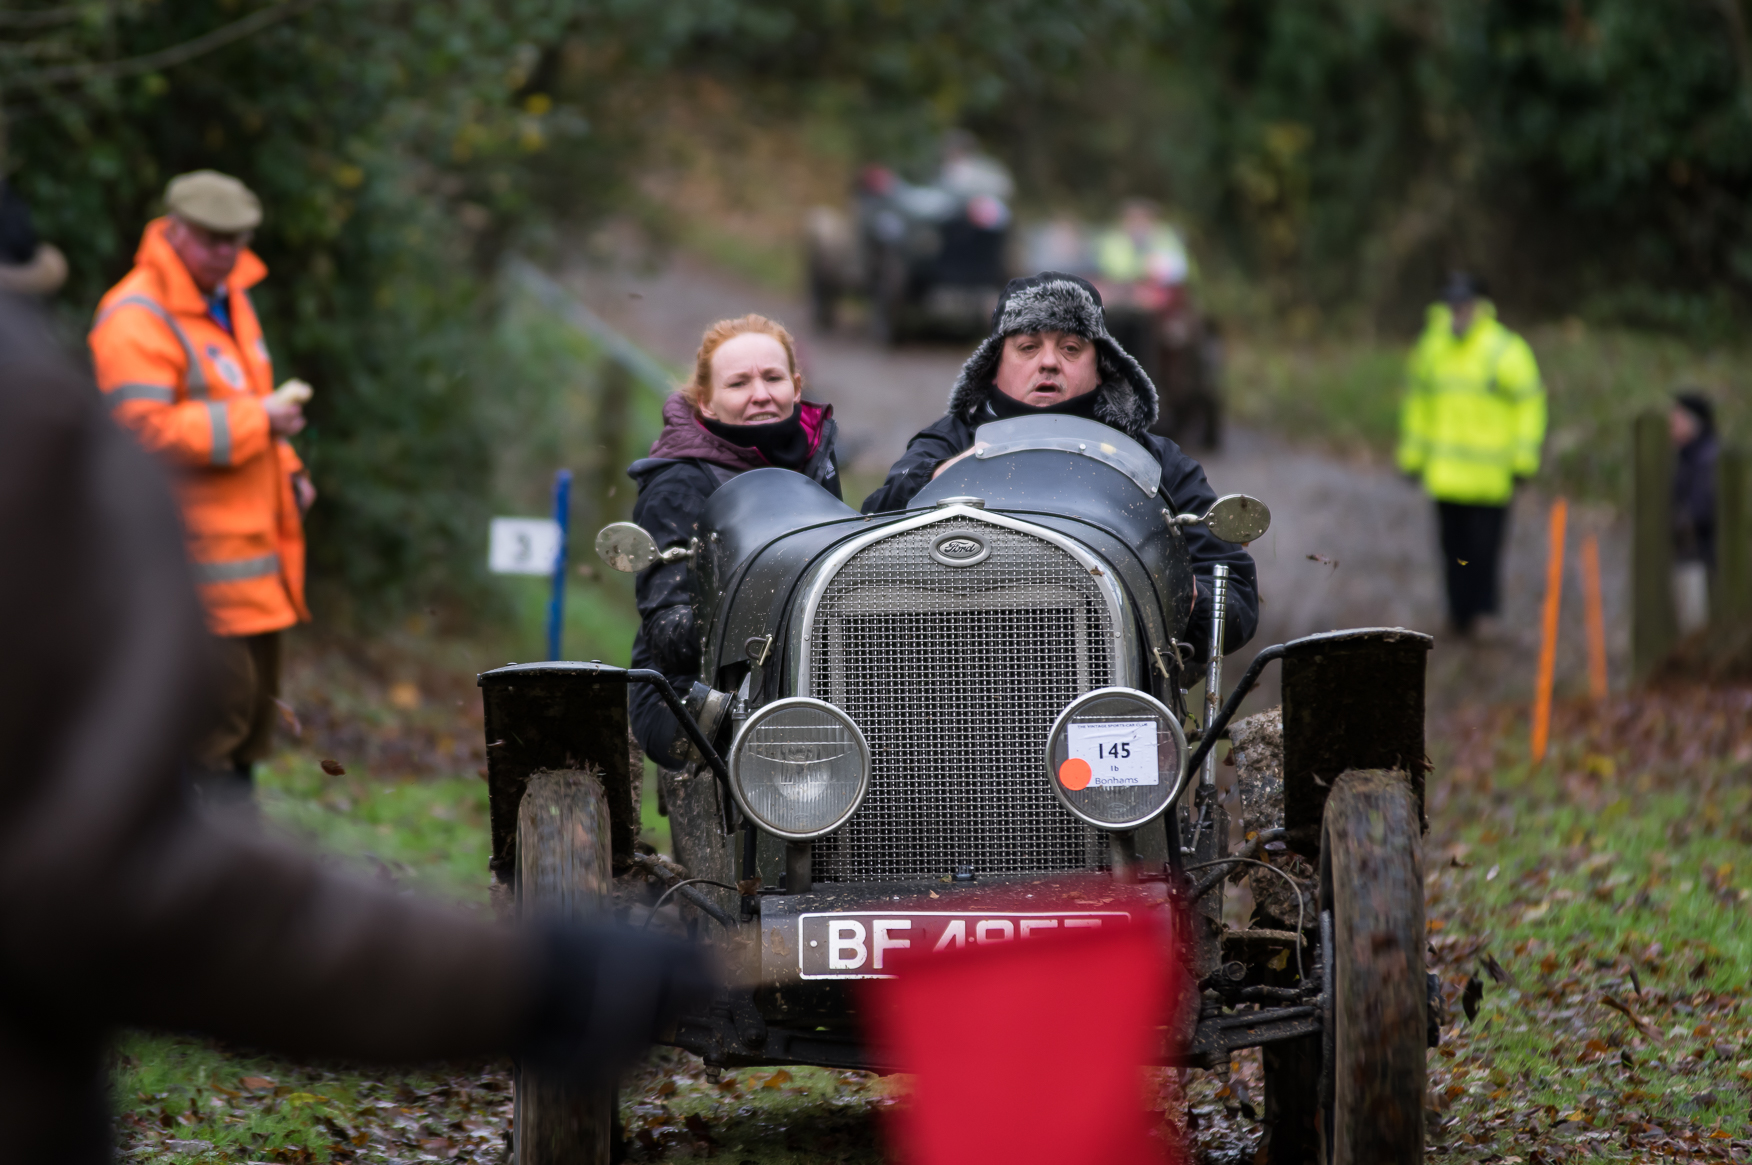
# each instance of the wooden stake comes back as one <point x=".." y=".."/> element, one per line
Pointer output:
<point x="1730" y="600"/>
<point x="1548" y="641"/>
<point x="1594" y="613"/>
<point x="1654" y="628"/>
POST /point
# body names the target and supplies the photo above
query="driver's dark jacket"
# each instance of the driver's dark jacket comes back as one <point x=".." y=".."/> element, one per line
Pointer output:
<point x="672" y="494"/>
<point x="1184" y="482"/>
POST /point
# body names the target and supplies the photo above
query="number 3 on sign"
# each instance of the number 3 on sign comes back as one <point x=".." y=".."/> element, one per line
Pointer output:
<point x="523" y="545"/>
<point x="1120" y="753"/>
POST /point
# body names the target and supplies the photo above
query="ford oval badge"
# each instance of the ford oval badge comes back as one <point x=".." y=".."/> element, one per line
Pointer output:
<point x="960" y="548"/>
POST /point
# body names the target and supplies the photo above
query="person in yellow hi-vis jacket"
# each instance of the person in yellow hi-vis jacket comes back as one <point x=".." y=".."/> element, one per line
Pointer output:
<point x="1471" y="427"/>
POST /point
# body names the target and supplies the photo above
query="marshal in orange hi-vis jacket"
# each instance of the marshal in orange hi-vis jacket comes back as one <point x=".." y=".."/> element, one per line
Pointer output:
<point x="192" y="392"/>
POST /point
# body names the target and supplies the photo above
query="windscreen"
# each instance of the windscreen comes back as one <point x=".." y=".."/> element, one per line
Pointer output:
<point x="1089" y="438"/>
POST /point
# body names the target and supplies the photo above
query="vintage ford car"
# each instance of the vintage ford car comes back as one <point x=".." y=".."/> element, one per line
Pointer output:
<point x="905" y="718"/>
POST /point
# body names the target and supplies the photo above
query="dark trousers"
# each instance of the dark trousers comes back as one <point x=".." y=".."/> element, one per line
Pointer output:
<point x="241" y="727"/>
<point x="1472" y="551"/>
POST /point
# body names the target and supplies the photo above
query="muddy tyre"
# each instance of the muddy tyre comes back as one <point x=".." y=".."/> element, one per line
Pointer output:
<point x="562" y="872"/>
<point x="1372" y="923"/>
<point x="823" y="300"/>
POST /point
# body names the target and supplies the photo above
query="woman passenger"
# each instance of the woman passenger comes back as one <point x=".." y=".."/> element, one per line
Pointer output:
<point x="743" y="409"/>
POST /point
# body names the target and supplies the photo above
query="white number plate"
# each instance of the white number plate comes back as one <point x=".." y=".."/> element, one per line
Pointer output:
<point x="1119" y="753"/>
<point x="863" y="944"/>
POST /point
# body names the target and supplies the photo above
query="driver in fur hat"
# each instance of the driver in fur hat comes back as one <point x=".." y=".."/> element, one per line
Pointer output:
<point x="1049" y="352"/>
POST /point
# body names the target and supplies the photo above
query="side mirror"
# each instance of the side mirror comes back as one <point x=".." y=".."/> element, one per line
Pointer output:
<point x="626" y="547"/>
<point x="1238" y="518"/>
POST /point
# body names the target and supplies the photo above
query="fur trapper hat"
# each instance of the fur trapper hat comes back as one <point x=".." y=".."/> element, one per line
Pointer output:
<point x="1054" y="301"/>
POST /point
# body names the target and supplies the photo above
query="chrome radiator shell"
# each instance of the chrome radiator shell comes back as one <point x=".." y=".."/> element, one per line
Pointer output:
<point x="955" y="675"/>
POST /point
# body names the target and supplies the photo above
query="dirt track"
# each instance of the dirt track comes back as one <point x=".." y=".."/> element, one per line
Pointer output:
<point x="1374" y="532"/>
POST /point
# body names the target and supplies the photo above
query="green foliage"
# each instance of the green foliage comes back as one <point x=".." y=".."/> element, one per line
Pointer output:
<point x="1586" y="155"/>
<point x="393" y="148"/>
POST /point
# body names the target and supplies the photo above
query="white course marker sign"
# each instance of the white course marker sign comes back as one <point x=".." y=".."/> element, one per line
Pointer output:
<point x="523" y="546"/>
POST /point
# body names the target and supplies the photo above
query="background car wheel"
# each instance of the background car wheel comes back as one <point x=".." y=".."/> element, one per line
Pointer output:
<point x="562" y="872"/>
<point x="823" y="300"/>
<point x="1371" y="882"/>
<point x="888" y="323"/>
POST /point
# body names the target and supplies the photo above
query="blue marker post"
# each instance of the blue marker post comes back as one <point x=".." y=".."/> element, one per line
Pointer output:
<point x="556" y="624"/>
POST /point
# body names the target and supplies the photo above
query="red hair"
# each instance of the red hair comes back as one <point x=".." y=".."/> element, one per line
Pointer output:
<point x="699" y="390"/>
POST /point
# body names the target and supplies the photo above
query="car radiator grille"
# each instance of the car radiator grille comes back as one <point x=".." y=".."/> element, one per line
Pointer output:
<point x="955" y="675"/>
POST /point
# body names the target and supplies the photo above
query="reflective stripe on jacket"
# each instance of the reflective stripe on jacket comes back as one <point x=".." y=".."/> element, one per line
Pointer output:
<point x="191" y="392"/>
<point x="1473" y="417"/>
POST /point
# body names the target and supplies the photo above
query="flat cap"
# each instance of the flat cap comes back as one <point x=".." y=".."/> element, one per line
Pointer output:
<point x="213" y="200"/>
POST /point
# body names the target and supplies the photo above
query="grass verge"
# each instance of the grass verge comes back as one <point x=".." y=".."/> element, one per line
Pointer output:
<point x="1593" y="936"/>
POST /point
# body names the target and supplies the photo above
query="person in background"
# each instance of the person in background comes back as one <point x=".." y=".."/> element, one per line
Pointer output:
<point x="1691" y="424"/>
<point x="28" y="266"/>
<point x="743" y="409"/>
<point x="122" y="906"/>
<point x="1471" y="426"/>
<point x="1143" y="250"/>
<point x="966" y="172"/>
<point x="181" y="363"/>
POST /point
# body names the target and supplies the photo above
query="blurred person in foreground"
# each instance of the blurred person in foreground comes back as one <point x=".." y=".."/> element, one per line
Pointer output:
<point x="1471" y="426"/>
<point x="122" y="905"/>
<point x="1691" y="426"/>
<point x="181" y="363"/>
<point x="742" y="409"/>
<point x="1049" y="353"/>
<point x="28" y="265"/>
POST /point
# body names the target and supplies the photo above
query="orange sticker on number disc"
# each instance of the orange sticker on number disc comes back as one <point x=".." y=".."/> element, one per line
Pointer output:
<point x="1075" y="774"/>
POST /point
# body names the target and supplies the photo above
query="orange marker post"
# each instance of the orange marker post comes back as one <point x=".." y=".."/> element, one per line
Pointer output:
<point x="1548" y="640"/>
<point x="1594" y="614"/>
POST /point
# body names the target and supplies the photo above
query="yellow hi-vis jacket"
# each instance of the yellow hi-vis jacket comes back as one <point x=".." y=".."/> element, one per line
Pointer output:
<point x="1474" y="411"/>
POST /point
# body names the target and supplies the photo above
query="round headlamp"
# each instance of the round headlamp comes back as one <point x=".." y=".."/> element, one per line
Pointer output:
<point x="799" y="768"/>
<point x="1116" y="758"/>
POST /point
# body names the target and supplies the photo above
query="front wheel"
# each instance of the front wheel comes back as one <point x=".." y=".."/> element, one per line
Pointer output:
<point x="1372" y="923"/>
<point x="562" y="874"/>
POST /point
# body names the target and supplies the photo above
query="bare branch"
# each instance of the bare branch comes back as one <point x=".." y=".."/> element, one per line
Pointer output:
<point x="164" y="58"/>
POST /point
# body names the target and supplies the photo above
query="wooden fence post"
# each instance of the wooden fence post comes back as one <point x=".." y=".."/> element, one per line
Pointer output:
<point x="1654" y="628"/>
<point x="1731" y="600"/>
<point x="1594" y="618"/>
<point x="1541" y="733"/>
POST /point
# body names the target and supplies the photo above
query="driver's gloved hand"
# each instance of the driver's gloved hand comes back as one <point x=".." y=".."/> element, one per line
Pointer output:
<point x="608" y="991"/>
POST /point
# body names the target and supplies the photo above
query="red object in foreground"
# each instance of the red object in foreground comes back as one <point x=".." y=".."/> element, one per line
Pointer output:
<point x="1029" y="1052"/>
